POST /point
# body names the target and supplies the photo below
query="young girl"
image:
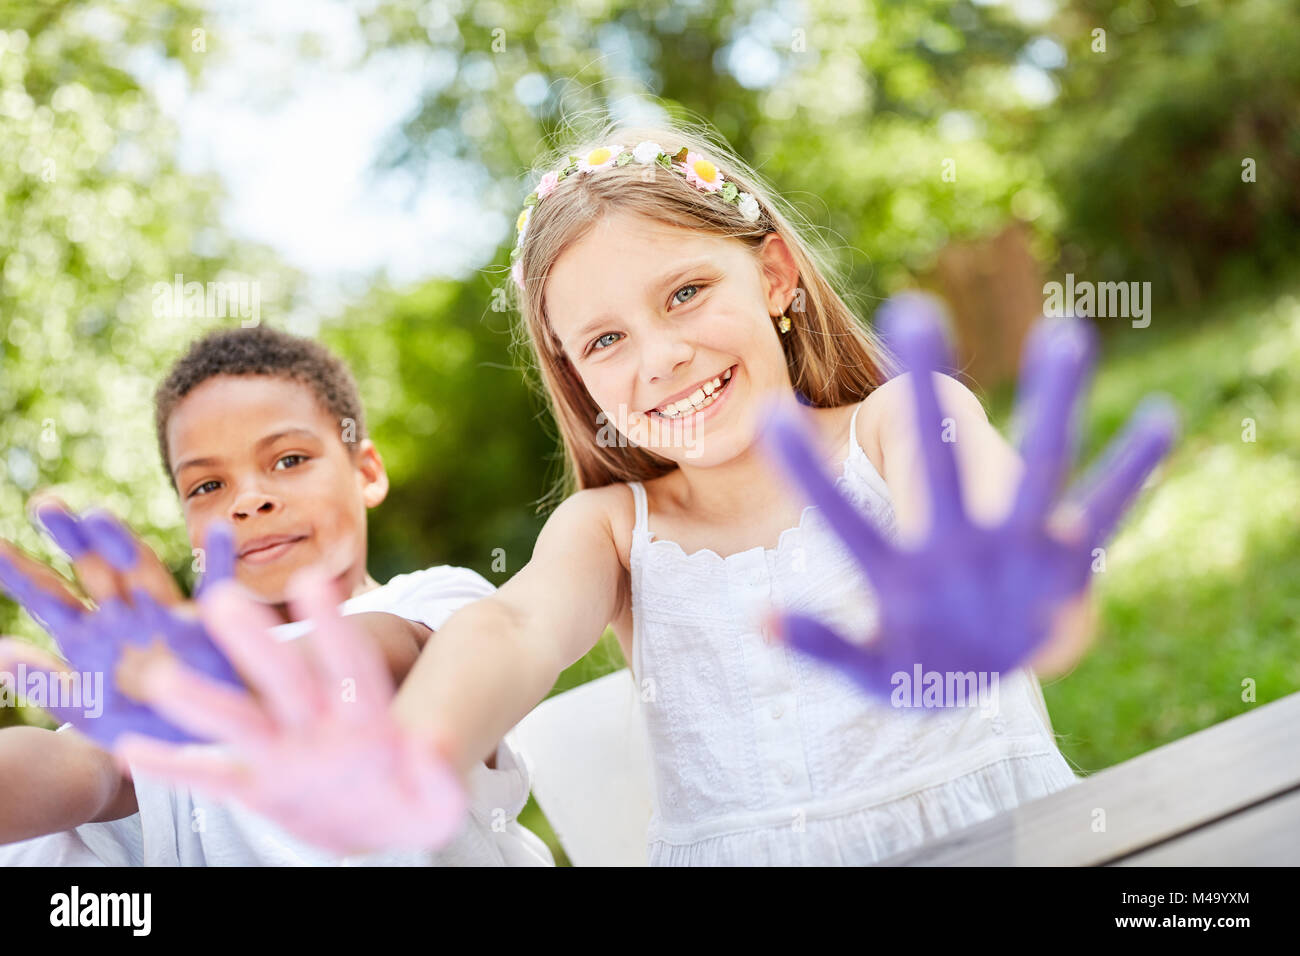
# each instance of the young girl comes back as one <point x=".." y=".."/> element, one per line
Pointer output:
<point x="666" y="297"/>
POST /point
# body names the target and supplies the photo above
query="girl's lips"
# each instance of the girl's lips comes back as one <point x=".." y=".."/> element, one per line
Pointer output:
<point x="705" y="413"/>
<point x="272" y="553"/>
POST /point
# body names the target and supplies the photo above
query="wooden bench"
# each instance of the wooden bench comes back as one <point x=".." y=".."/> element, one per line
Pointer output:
<point x="1228" y="795"/>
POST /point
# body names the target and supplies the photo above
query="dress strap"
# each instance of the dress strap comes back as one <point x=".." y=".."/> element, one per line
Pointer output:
<point x="855" y="447"/>
<point x="642" y="512"/>
<point x="865" y="466"/>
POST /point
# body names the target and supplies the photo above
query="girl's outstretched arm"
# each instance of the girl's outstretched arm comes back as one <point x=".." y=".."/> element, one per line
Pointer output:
<point x="496" y="659"/>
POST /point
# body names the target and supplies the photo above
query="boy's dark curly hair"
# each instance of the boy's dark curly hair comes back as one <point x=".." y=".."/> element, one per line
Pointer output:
<point x="259" y="351"/>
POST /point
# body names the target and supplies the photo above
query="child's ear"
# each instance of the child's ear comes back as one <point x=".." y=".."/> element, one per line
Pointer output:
<point x="374" y="477"/>
<point x="780" y="273"/>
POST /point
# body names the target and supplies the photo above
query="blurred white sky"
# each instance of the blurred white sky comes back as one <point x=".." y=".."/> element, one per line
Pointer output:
<point x="294" y="139"/>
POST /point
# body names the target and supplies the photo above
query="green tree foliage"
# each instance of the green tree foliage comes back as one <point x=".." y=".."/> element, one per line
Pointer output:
<point x="1175" y="144"/>
<point x="855" y="110"/>
<point x="467" y="450"/>
<point x="95" y="213"/>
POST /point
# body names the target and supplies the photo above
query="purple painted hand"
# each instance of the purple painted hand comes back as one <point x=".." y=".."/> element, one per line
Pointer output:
<point x="318" y="751"/>
<point x="973" y="598"/>
<point x="84" y="689"/>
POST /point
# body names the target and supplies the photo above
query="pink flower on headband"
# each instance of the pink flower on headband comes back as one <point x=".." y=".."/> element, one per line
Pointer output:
<point x="701" y="173"/>
<point x="517" y="273"/>
<point x="547" y="184"/>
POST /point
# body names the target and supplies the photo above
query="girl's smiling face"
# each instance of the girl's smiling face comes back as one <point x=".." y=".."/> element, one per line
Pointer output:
<point x="260" y="452"/>
<point x="671" y="332"/>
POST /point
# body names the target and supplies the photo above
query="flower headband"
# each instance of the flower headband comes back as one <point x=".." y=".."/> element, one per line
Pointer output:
<point x="699" y="172"/>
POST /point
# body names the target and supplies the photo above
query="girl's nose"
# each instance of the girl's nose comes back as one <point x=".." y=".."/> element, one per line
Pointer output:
<point x="663" y="356"/>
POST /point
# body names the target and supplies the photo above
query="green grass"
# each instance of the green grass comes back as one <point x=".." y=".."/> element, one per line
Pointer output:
<point x="1201" y="592"/>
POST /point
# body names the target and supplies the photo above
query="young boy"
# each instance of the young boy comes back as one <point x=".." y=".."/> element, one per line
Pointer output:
<point x="265" y="431"/>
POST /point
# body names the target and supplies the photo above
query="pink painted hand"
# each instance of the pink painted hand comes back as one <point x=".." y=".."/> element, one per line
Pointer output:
<point x="318" y="751"/>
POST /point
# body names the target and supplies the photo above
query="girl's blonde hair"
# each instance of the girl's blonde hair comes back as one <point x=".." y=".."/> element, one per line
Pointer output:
<point x="834" y="359"/>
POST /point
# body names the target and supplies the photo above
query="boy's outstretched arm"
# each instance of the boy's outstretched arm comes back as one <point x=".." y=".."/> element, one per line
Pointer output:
<point x="496" y="659"/>
<point x="56" y="781"/>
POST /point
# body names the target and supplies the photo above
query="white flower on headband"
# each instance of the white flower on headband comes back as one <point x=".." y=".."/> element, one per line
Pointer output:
<point x="647" y="152"/>
<point x="599" y="158"/>
<point x="699" y="171"/>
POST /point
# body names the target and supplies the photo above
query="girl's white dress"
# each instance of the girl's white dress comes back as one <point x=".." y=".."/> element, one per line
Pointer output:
<point x="764" y="756"/>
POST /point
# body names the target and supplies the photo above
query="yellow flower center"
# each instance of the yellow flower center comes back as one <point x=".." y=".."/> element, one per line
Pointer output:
<point x="519" y="223"/>
<point x="706" y="170"/>
<point x="597" y="156"/>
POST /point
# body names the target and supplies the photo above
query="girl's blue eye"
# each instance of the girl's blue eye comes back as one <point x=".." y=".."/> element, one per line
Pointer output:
<point x="689" y="297"/>
<point x="287" y="457"/>
<point x="596" y="344"/>
<point x="199" y="489"/>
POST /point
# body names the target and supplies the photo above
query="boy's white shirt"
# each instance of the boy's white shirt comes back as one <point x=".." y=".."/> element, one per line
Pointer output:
<point x="175" y="827"/>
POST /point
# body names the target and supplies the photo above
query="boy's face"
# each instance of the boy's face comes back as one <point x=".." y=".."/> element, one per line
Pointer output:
<point x="260" y="452"/>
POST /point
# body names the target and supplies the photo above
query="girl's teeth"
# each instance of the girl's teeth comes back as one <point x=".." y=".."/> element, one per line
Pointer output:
<point x="702" y="397"/>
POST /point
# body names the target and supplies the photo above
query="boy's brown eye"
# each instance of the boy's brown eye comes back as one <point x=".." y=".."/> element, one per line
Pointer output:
<point x="300" y="459"/>
<point x="199" y="489"/>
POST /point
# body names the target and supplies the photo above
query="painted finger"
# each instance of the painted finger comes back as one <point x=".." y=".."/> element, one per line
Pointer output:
<point x="42" y="575"/>
<point x="218" y="556"/>
<point x="1110" y="487"/>
<point x="134" y="563"/>
<point x="61" y="525"/>
<point x="784" y="438"/>
<point x="354" y="674"/>
<point x="15" y="651"/>
<point x="20" y="660"/>
<point x="241" y="628"/>
<point x="54" y="614"/>
<point x="1058" y="358"/>
<point x="438" y="788"/>
<point x="186" y="637"/>
<point x="866" y="666"/>
<point x="914" y="331"/>
<point x="202" y="707"/>
<point x="216" y="774"/>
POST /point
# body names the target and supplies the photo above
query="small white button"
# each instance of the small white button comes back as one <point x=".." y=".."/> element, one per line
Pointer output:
<point x="777" y="711"/>
<point x="787" y="773"/>
<point x="999" y="725"/>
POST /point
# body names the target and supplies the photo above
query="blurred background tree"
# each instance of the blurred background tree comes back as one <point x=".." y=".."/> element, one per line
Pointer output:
<point x="95" y="212"/>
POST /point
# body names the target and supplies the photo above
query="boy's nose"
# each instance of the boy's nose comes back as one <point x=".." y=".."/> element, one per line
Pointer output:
<point x="253" y="502"/>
